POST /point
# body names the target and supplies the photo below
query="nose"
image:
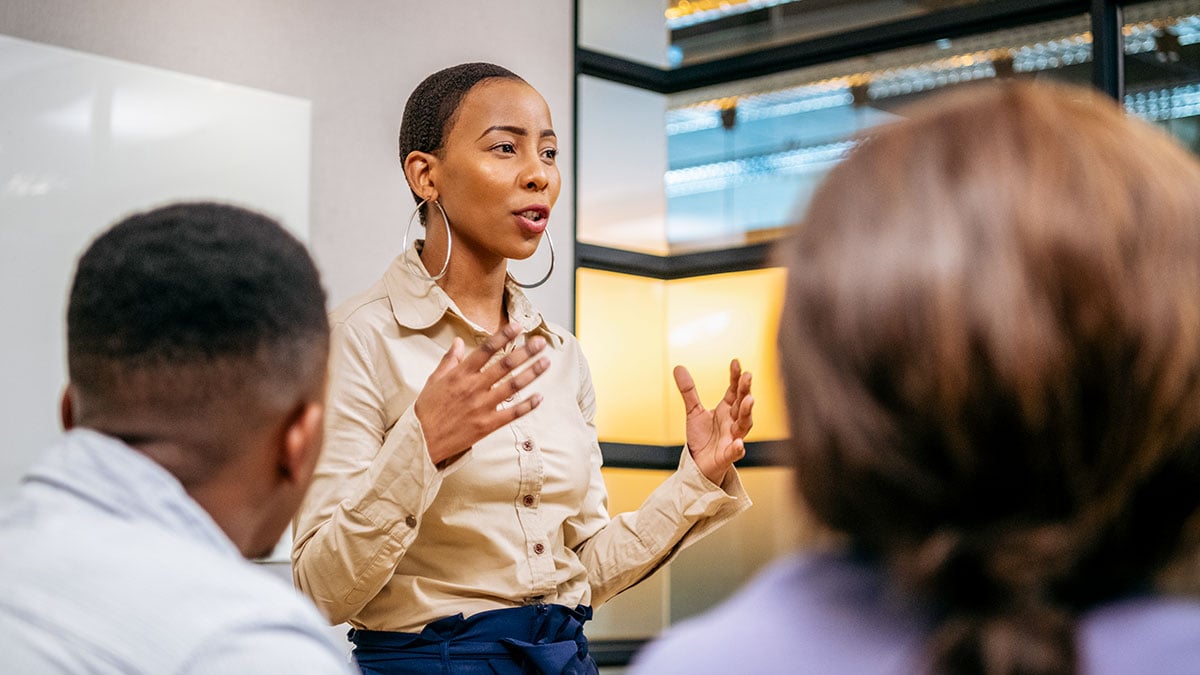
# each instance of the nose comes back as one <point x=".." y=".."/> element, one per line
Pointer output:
<point x="536" y="175"/>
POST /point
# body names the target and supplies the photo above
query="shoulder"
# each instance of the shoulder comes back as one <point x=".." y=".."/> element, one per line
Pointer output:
<point x="359" y="324"/>
<point x="149" y="599"/>
<point x="561" y="338"/>
<point x="364" y="307"/>
<point x="262" y="624"/>
<point x="568" y="353"/>
<point x="755" y="610"/>
<point x="804" y="613"/>
<point x="1144" y="634"/>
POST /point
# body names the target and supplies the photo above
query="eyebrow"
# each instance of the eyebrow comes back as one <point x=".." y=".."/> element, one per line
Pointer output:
<point x="519" y="131"/>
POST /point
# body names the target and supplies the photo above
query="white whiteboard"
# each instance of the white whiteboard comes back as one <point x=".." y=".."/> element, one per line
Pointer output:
<point x="85" y="140"/>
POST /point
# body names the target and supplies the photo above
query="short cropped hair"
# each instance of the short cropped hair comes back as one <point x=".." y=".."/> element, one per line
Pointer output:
<point x="990" y="344"/>
<point x="193" y="302"/>
<point x="432" y="107"/>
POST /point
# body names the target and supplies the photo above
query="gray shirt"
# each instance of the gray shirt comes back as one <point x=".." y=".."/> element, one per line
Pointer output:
<point x="108" y="566"/>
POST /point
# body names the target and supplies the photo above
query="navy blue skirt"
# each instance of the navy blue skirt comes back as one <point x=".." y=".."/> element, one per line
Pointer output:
<point x="517" y="641"/>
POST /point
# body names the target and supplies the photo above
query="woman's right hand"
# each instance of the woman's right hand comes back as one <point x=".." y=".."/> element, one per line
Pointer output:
<point x="460" y="402"/>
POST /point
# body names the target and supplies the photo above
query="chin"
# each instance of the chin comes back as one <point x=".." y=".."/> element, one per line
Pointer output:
<point x="258" y="553"/>
<point x="263" y="542"/>
<point x="525" y="250"/>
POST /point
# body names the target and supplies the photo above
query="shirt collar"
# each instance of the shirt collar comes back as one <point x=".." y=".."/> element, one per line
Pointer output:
<point x="418" y="303"/>
<point x="119" y="480"/>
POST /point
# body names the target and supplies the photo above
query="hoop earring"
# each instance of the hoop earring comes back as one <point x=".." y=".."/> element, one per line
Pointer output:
<point x="550" y="271"/>
<point x="449" y="242"/>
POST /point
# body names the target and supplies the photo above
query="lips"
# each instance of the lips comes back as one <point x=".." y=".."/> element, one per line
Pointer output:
<point x="533" y="218"/>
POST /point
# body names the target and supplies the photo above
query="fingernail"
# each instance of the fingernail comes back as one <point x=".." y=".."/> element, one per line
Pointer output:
<point x="536" y="399"/>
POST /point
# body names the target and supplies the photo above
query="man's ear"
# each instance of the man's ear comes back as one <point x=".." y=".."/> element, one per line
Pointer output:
<point x="66" y="409"/>
<point x="302" y="444"/>
<point x="418" y="170"/>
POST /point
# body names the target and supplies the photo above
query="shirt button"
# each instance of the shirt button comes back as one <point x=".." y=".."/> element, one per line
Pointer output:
<point x="539" y="549"/>
<point x="527" y="446"/>
<point x="528" y="500"/>
<point x="411" y="521"/>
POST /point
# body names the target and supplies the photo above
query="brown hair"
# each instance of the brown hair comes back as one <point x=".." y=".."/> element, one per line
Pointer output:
<point x="991" y="349"/>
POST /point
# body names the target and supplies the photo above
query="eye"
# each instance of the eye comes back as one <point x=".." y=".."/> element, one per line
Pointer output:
<point x="507" y="148"/>
<point x="550" y="153"/>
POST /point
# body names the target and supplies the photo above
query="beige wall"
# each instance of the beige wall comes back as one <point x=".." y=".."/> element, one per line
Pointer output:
<point x="356" y="61"/>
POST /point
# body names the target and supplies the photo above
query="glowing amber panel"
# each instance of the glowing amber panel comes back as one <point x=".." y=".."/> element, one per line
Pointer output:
<point x="634" y="330"/>
<point x="621" y="322"/>
<point x="712" y="319"/>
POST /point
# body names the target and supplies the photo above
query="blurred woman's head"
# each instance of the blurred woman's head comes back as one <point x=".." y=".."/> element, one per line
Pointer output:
<point x="991" y="350"/>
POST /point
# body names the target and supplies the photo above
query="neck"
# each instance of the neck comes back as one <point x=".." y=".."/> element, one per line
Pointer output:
<point x="217" y="499"/>
<point x="233" y="498"/>
<point x="474" y="281"/>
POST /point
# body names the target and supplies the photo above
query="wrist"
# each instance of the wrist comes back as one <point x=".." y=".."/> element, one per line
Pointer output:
<point x="716" y="476"/>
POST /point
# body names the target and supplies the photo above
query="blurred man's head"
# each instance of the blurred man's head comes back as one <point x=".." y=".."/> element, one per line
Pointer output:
<point x="197" y="334"/>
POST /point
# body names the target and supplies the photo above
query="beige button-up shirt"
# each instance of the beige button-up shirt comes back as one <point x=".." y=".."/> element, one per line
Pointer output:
<point x="387" y="541"/>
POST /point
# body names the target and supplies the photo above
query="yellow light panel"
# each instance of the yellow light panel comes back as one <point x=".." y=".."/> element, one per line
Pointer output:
<point x="713" y="319"/>
<point x="621" y="322"/>
<point x="634" y="330"/>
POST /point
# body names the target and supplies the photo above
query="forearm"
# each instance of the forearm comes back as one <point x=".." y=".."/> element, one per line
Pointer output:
<point x="357" y="525"/>
<point x="683" y="509"/>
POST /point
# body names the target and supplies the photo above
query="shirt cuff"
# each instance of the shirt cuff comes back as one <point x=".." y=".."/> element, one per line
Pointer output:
<point x="687" y="506"/>
<point x="693" y="477"/>
<point x="403" y="479"/>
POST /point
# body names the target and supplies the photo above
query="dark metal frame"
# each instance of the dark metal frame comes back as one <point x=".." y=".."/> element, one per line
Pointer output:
<point x="1108" y="63"/>
<point x="679" y="266"/>
<point x="644" y="456"/>
<point x="952" y="23"/>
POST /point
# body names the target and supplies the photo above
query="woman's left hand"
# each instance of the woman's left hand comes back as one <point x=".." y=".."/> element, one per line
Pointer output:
<point x="716" y="437"/>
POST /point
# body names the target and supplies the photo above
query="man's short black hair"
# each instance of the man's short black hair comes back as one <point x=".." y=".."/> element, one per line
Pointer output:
<point x="195" y="288"/>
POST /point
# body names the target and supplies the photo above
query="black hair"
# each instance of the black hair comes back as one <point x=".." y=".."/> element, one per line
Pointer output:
<point x="195" y="285"/>
<point x="432" y="106"/>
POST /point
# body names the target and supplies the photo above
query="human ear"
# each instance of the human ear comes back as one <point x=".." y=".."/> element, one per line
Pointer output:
<point x="302" y="444"/>
<point x="418" y="171"/>
<point x="66" y="409"/>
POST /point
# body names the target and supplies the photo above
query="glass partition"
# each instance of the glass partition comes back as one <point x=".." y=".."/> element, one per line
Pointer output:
<point x="701" y="140"/>
<point x="676" y="33"/>
<point x="666" y="179"/>
<point x="703" y="30"/>
<point x="622" y="157"/>
<point x="634" y="30"/>
<point x="1162" y="67"/>
<point x="744" y="158"/>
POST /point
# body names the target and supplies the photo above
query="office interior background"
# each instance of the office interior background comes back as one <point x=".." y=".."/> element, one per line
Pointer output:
<point x="693" y="131"/>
